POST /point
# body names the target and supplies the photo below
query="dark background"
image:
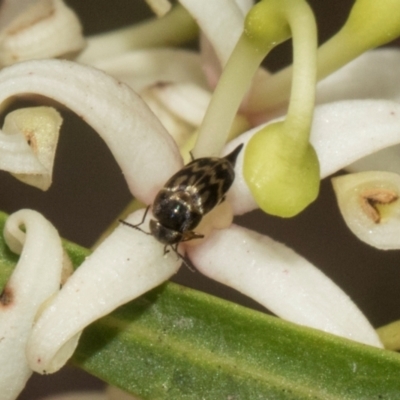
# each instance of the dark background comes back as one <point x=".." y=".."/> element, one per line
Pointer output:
<point x="89" y="192"/>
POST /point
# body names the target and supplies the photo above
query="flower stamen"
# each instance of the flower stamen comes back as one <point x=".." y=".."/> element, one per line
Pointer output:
<point x="372" y="199"/>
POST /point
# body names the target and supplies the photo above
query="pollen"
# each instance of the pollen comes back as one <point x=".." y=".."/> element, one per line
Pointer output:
<point x="373" y="199"/>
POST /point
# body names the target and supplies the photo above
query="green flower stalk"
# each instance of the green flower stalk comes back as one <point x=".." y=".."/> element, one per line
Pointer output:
<point x="174" y="28"/>
<point x="281" y="168"/>
<point x="251" y="49"/>
<point x="369" y="25"/>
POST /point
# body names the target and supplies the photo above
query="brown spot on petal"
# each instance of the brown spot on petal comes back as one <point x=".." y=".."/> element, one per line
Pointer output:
<point x="6" y="297"/>
<point x="371" y="198"/>
<point x="161" y="84"/>
<point x="31" y="139"/>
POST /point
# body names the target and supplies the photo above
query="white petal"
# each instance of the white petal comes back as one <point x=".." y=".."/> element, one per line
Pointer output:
<point x="213" y="50"/>
<point x="369" y="203"/>
<point x="126" y="264"/>
<point x="185" y="100"/>
<point x="17" y="156"/>
<point x="373" y="75"/>
<point x="346" y="131"/>
<point x="341" y="133"/>
<point x="220" y="20"/>
<point x="142" y="147"/>
<point x="179" y="106"/>
<point x="244" y="5"/>
<point x="176" y="127"/>
<point x="36" y="278"/>
<point x="282" y="281"/>
<point x="239" y="195"/>
<point x="45" y="29"/>
<point x="40" y="127"/>
<point x="384" y="160"/>
<point x="142" y="68"/>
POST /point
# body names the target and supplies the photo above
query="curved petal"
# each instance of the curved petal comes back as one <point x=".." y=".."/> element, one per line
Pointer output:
<point x="179" y="106"/>
<point x="185" y="100"/>
<point x="346" y="131"/>
<point x="142" y="68"/>
<point x="383" y="160"/>
<point x="125" y="265"/>
<point x="373" y="75"/>
<point x="36" y="277"/>
<point x="341" y="133"/>
<point x="40" y="127"/>
<point x="369" y="203"/>
<point x="214" y="53"/>
<point x="282" y="281"/>
<point x="221" y="21"/>
<point x="45" y="29"/>
<point x="142" y="147"/>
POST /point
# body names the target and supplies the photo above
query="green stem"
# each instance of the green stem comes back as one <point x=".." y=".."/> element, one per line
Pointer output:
<point x="232" y="86"/>
<point x="302" y="94"/>
<point x="174" y="28"/>
<point x="280" y="166"/>
<point x="266" y="25"/>
<point x="370" y="24"/>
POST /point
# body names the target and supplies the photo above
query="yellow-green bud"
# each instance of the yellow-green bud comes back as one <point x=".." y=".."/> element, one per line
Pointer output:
<point x="374" y="22"/>
<point x="266" y="25"/>
<point x="282" y="174"/>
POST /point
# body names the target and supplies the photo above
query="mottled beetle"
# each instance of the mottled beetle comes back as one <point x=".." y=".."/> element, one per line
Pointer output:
<point x="187" y="196"/>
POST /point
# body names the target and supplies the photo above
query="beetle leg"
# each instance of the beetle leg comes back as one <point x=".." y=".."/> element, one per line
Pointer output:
<point x="174" y="248"/>
<point x="166" y="251"/>
<point x="140" y="223"/>
<point x="190" y="235"/>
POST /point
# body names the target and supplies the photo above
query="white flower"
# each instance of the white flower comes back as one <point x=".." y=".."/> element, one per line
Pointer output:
<point x="36" y="278"/>
<point x="129" y="263"/>
<point x="37" y="29"/>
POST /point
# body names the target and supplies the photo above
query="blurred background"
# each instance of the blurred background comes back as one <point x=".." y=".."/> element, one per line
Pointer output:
<point x="89" y="192"/>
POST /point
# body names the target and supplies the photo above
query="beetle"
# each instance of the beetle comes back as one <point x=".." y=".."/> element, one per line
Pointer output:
<point x="187" y="196"/>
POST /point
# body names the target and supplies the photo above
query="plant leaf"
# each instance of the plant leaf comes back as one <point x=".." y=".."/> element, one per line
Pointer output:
<point x="177" y="343"/>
